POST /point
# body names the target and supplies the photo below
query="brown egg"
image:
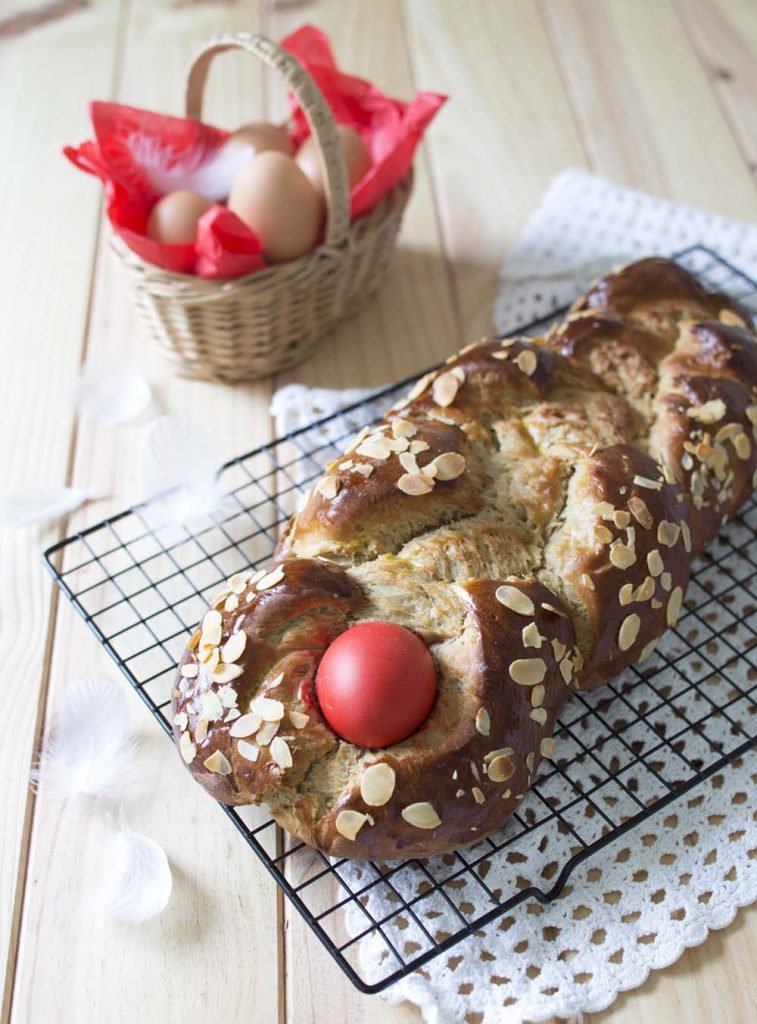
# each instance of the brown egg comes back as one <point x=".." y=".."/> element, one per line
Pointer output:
<point x="263" y="137"/>
<point x="173" y="219"/>
<point x="356" y="156"/>
<point x="275" y="199"/>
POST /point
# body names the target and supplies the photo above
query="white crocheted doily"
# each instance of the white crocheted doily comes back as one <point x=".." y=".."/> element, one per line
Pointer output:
<point x="636" y="904"/>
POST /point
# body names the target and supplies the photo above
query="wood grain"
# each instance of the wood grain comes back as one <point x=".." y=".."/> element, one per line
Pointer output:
<point x="47" y="234"/>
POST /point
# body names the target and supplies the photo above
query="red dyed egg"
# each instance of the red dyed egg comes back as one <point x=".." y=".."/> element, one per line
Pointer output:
<point x="376" y="684"/>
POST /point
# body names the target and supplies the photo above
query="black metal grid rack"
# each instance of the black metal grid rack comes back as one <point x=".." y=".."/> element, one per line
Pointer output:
<point x="623" y="753"/>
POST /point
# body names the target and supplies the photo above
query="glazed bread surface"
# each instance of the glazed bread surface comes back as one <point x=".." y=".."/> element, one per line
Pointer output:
<point x="531" y="510"/>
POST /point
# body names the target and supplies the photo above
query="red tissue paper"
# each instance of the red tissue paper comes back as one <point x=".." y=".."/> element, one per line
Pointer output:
<point x="140" y="155"/>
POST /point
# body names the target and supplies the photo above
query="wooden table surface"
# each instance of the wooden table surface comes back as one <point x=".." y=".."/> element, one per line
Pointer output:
<point x="658" y="94"/>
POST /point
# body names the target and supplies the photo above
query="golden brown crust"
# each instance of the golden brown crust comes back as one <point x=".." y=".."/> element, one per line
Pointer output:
<point x="531" y="510"/>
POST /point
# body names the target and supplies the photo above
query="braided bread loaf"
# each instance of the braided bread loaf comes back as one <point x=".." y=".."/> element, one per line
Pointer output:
<point x="531" y="511"/>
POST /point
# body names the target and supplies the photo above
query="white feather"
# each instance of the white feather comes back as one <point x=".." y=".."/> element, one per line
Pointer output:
<point x="136" y="880"/>
<point x="111" y="391"/>
<point x="90" y="749"/>
<point x="212" y="177"/>
<point x="40" y="504"/>
<point x="178" y="463"/>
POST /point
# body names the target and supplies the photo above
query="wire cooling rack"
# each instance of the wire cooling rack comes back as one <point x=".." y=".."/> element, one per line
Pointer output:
<point x="623" y="753"/>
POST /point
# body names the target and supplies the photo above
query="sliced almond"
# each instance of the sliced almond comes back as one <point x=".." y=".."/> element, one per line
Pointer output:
<point x="238" y="582"/>
<point x="621" y="518"/>
<point x="403" y="428"/>
<point x="377" y="784"/>
<point x="211" y="628"/>
<point x="268" y="709"/>
<point x="415" y="484"/>
<point x="646" y="590"/>
<point x="566" y="670"/>
<point x="667" y="581"/>
<point x="531" y="636"/>
<point x="201" y="730"/>
<point x="629" y="631"/>
<point x="655" y="562"/>
<point x="445" y="388"/>
<point x="603" y="535"/>
<point x="449" y="465"/>
<point x="743" y="446"/>
<point x="530" y="761"/>
<point x="226" y="673"/>
<point x="248" y="750"/>
<point x="329" y="486"/>
<point x="421" y="815"/>
<point x="228" y="696"/>
<point x="266" y="733"/>
<point x="209" y="656"/>
<point x="212" y="708"/>
<point x="349" y="823"/>
<point x="558" y="648"/>
<point x="537" y="695"/>
<point x="708" y="412"/>
<point x="246" y="725"/>
<point x="409" y="463"/>
<point x="195" y="640"/>
<point x="190" y="670"/>
<point x="515" y="600"/>
<point x="298" y="720"/>
<point x="639" y="510"/>
<point x="218" y="763"/>
<point x="538" y="715"/>
<point x="231" y="603"/>
<point x="478" y="796"/>
<point x="731" y="319"/>
<point x="483" y="722"/>
<point x="375" y="448"/>
<point x="416" y="447"/>
<point x="234" y="647"/>
<point x="271" y="579"/>
<point x="547" y="747"/>
<point x="668" y="533"/>
<point x="187" y="748"/>
<point x="500" y="768"/>
<point x="587" y="581"/>
<point x="649" y="649"/>
<point x="621" y="556"/>
<point x="180" y="719"/>
<point x="364" y="470"/>
<point x="231" y="714"/>
<point x="674" y="606"/>
<point x="281" y="753"/>
<point x="527" y="361"/>
<point x="528" y="671"/>
<point x="625" y="594"/>
<point x="650" y="485"/>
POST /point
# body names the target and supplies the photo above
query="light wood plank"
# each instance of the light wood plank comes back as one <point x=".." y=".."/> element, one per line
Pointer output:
<point x="47" y="238"/>
<point x="507" y="131"/>
<point x="724" y="32"/>
<point x="645" y="109"/>
<point x="224" y="910"/>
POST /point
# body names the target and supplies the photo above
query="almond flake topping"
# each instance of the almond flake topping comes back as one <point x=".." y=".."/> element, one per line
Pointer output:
<point x="537" y="695"/>
<point x="231" y="714"/>
<point x="416" y="447"/>
<point x="281" y="753"/>
<point x="629" y="631"/>
<point x="377" y="784"/>
<point x="531" y="636"/>
<point x="478" y="796"/>
<point x="226" y="673"/>
<point x="731" y="319"/>
<point x="344" y="467"/>
<point x="349" y="823"/>
<point x="528" y="671"/>
<point x="638" y="509"/>
<point x="587" y="581"/>
<point x="566" y="670"/>
<point x="646" y="590"/>
<point x="211" y="628"/>
<point x="674" y="606"/>
<point x="621" y="556"/>
<point x="625" y="594"/>
<point x="651" y="485"/>
<point x="530" y="761"/>
<point x="298" y="720"/>
<point x="268" y="709"/>
<point x="234" y="647"/>
<point x="500" y="768"/>
<point x="515" y="600"/>
<point x="649" y="649"/>
<point x="231" y="603"/>
<point x="621" y="518"/>
<point x="415" y="484"/>
<point x="187" y="748"/>
<point x="266" y="732"/>
<point x="449" y="465"/>
<point x="708" y="412"/>
<point x="190" y="671"/>
<point x="603" y="535"/>
<point x="376" y="447"/>
<point x="271" y="579"/>
<point x="195" y="639"/>
<point x="409" y="463"/>
<point x="218" y="763"/>
<point x="201" y="730"/>
<point x="558" y="648"/>
<point x="238" y="582"/>
<point x="248" y="750"/>
<point x="445" y="389"/>
<point x="668" y="533"/>
<point x="527" y="361"/>
<point x="228" y="696"/>
<point x="496" y="753"/>
<point x="180" y="719"/>
<point x="686" y="534"/>
<point x="538" y="715"/>
<point x="403" y="428"/>
<point x="655" y="562"/>
<point x="246" y="725"/>
<point x="364" y="470"/>
<point x="751" y="413"/>
<point x="212" y="708"/>
<point x="483" y="722"/>
<point x="743" y="446"/>
<point x="547" y="747"/>
<point x="421" y="815"/>
<point x="329" y="487"/>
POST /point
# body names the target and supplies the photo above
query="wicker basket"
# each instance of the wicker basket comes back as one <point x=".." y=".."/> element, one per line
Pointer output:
<point x="269" y="320"/>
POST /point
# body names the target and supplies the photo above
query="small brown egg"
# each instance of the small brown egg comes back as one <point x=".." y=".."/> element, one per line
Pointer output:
<point x="275" y="199"/>
<point x="263" y="136"/>
<point x="173" y="219"/>
<point x="356" y="156"/>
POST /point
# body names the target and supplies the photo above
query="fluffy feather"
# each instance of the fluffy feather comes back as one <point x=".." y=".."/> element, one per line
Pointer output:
<point x="136" y="882"/>
<point x="111" y="391"/>
<point x="211" y="176"/>
<point x="90" y="749"/>
<point x="178" y="464"/>
<point x="40" y="504"/>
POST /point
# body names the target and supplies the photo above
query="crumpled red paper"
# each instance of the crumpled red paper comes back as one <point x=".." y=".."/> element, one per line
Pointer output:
<point x="139" y="155"/>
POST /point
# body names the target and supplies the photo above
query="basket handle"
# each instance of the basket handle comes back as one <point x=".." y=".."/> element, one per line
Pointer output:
<point x="314" y="106"/>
